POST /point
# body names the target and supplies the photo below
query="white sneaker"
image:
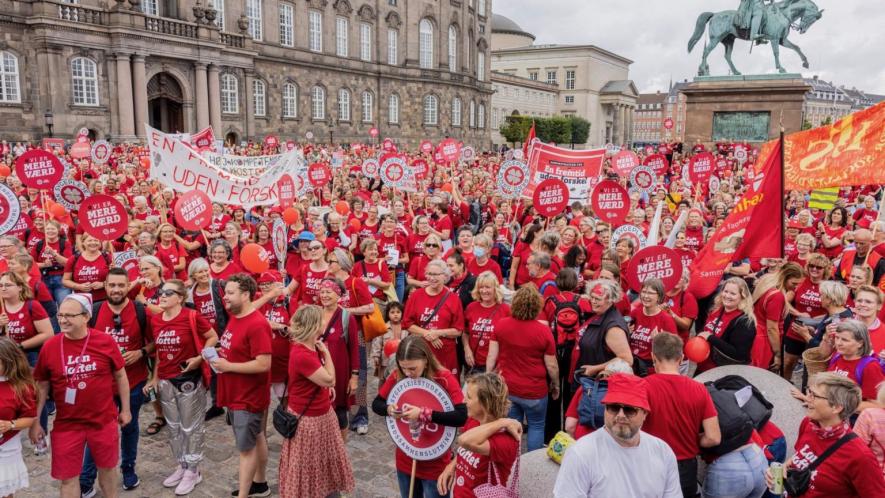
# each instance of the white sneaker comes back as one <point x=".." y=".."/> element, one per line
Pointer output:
<point x="41" y="448"/>
<point x="188" y="482"/>
<point x="362" y="429"/>
<point x="175" y="478"/>
<point x="89" y="494"/>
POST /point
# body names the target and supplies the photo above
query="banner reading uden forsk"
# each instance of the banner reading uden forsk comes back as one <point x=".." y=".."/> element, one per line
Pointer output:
<point x="578" y="169"/>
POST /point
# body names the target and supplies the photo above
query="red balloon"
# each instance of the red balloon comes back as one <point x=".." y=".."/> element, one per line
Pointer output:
<point x="697" y="349"/>
<point x="355" y="225"/>
<point x="145" y="162"/>
<point x="4" y="170"/>
<point x="342" y="208"/>
<point x="254" y="258"/>
<point x="447" y="187"/>
<point x="390" y="347"/>
<point x="57" y="210"/>
<point x="290" y="216"/>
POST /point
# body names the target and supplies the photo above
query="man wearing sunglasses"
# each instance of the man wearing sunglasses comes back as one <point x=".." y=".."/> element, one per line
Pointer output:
<point x="620" y="460"/>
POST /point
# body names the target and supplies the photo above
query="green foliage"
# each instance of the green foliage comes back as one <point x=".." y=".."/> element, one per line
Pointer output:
<point x="580" y="129"/>
<point x="556" y="129"/>
<point x="827" y="121"/>
<point x="516" y="128"/>
<point x="806" y="124"/>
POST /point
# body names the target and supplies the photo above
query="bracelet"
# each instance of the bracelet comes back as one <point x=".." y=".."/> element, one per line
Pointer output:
<point x="144" y="353"/>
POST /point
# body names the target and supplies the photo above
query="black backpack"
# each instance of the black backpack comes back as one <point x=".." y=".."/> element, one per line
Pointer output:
<point x="39" y="250"/>
<point x="736" y="423"/>
<point x="566" y="319"/>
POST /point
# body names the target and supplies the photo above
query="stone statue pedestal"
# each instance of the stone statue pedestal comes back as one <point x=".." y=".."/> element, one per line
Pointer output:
<point x="743" y="108"/>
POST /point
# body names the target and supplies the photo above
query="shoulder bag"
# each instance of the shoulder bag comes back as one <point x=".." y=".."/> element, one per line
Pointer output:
<point x="286" y="423"/>
<point x="797" y="482"/>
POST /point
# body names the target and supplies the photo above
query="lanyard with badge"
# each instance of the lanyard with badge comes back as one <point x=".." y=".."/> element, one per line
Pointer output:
<point x="71" y="392"/>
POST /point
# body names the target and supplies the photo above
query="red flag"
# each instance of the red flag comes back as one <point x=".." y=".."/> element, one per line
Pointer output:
<point x="751" y="230"/>
<point x="528" y="140"/>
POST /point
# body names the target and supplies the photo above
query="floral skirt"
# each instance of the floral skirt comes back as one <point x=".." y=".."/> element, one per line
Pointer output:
<point x="314" y="463"/>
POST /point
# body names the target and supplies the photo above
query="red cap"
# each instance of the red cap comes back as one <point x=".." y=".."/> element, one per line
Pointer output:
<point x="795" y="224"/>
<point x="237" y="208"/>
<point x="627" y="390"/>
<point x="270" y="276"/>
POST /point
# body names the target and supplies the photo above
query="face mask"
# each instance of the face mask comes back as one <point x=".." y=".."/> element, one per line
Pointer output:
<point x="479" y="252"/>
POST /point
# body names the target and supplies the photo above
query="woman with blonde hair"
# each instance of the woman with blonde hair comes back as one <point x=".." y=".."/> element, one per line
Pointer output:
<point x="481" y="317"/>
<point x="805" y="245"/>
<point x="170" y="253"/>
<point x="314" y="462"/>
<point x="730" y="327"/>
<point x="804" y="302"/>
<point x="770" y="310"/>
<point x="18" y="410"/>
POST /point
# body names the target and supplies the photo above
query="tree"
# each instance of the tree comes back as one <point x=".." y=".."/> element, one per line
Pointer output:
<point x="806" y="125"/>
<point x="827" y="121"/>
<point x="516" y="128"/>
<point x="580" y="129"/>
<point x="556" y="129"/>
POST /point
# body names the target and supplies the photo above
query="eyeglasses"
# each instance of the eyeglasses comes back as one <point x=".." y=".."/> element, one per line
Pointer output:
<point x="333" y="261"/>
<point x="432" y="245"/>
<point x="815" y="267"/>
<point x="428" y="274"/>
<point x="614" y="409"/>
<point x="118" y="322"/>
<point x="6" y="246"/>
<point x="814" y="395"/>
<point x="68" y="316"/>
<point x="168" y="292"/>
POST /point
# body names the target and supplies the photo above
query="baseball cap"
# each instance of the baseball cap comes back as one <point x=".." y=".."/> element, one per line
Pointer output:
<point x="271" y="276"/>
<point x="627" y="389"/>
<point x="307" y="235"/>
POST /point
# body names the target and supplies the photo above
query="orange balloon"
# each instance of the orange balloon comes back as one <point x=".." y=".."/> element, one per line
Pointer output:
<point x="4" y="170"/>
<point x="697" y="349"/>
<point x="254" y="258"/>
<point x="447" y="187"/>
<point x="145" y="162"/>
<point x="57" y="210"/>
<point x="342" y="208"/>
<point x="355" y="224"/>
<point x="290" y="216"/>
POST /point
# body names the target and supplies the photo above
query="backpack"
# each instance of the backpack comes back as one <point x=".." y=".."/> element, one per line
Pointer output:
<point x="140" y="314"/>
<point x="861" y="365"/>
<point x="39" y="249"/>
<point x="736" y="422"/>
<point x="566" y="319"/>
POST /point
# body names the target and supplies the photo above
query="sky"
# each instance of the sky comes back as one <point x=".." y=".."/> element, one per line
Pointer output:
<point x="845" y="47"/>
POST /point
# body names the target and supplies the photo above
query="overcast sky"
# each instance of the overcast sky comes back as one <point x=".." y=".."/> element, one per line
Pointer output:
<point x="847" y="46"/>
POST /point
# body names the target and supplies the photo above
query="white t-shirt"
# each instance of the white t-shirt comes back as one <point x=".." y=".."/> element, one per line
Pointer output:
<point x="597" y="466"/>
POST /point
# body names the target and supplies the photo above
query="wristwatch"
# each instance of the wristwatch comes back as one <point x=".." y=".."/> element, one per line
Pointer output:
<point x="12" y="425"/>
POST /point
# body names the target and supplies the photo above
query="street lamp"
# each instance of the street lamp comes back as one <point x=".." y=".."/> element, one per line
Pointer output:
<point x="331" y="131"/>
<point x="48" y="120"/>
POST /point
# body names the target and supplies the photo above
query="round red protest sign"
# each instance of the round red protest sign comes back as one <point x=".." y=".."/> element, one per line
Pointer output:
<point x="421" y="169"/>
<point x="700" y="167"/>
<point x="610" y="202"/>
<point x="70" y="193"/>
<point x="82" y="132"/>
<point x="393" y="170"/>
<point x="654" y="262"/>
<point x="420" y="440"/>
<point x="438" y="157"/>
<point x="658" y="163"/>
<point x="624" y="162"/>
<point x="81" y="150"/>
<point x="271" y="141"/>
<point x="319" y="174"/>
<point x="39" y="169"/>
<point x="513" y="178"/>
<point x="468" y="153"/>
<point x="387" y="145"/>
<point x="426" y="146"/>
<point x="370" y="168"/>
<point x="668" y="123"/>
<point x="105" y="218"/>
<point x="286" y="190"/>
<point x="450" y="149"/>
<point x="10" y="209"/>
<point x="643" y="178"/>
<point x="193" y="211"/>
<point x="649" y="149"/>
<point x="279" y="238"/>
<point x="101" y="151"/>
<point x="128" y="260"/>
<point x="373" y="132"/>
<point x="550" y="197"/>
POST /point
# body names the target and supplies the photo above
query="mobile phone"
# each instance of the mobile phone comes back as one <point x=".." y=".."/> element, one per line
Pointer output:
<point x="183" y="365"/>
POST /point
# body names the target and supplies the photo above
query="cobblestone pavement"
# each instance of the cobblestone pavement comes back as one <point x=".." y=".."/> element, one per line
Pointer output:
<point x="372" y="458"/>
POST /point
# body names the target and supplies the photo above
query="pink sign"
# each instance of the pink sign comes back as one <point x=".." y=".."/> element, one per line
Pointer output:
<point x="550" y="197"/>
<point x="39" y="169"/>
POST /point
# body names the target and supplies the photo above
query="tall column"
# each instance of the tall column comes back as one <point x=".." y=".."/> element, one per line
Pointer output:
<point x="215" y="100"/>
<point x="139" y="88"/>
<point x="629" y="138"/>
<point x="250" y="105"/>
<point x="124" y="96"/>
<point x="622" y="137"/>
<point x="202" y="96"/>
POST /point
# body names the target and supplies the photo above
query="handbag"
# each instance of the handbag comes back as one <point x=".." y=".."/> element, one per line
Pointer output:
<point x="797" y="482"/>
<point x="373" y="323"/>
<point x="500" y="490"/>
<point x="200" y="343"/>
<point x="286" y="423"/>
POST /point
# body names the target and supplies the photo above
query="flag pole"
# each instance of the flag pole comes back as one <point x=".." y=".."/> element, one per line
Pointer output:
<point x="782" y="188"/>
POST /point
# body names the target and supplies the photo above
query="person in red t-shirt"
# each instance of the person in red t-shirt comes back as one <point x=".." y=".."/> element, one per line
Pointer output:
<point x="170" y="253"/>
<point x="853" y="358"/>
<point x="86" y="272"/>
<point x="480" y="262"/>
<point x="275" y="307"/>
<point x="306" y="285"/>
<point x="22" y="318"/>
<point x="543" y="278"/>
<point x="647" y="321"/>
<point x="489" y="440"/>
<point x="804" y="302"/>
<point x="415" y="359"/>
<point x="731" y="326"/>
<point x="243" y="367"/>
<point x="770" y="302"/>
<point x="51" y="258"/>
<point x="82" y="366"/>
<point x="221" y="262"/>
<point x="481" y="317"/>
<point x="679" y="406"/>
<point x="18" y="411"/>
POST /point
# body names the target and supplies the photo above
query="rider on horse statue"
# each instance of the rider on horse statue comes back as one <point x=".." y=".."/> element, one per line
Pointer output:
<point x="749" y="16"/>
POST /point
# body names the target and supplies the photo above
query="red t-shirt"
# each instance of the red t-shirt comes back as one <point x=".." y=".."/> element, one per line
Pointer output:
<point x="303" y="362"/>
<point x="373" y="271"/>
<point x="387" y="244"/>
<point x="309" y="285"/>
<point x="678" y="407"/>
<point x="128" y="337"/>
<point x="86" y="365"/>
<point x="416" y="244"/>
<point x="169" y="257"/>
<point x="472" y="469"/>
<point x="243" y="340"/>
<point x="232" y="268"/>
<point x="428" y="469"/>
<point x="420" y="306"/>
<point x="550" y="288"/>
<point x="21" y="323"/>
<point x="522" y="251"/>
<point x="684" y="305"/>
<point x="278" y="312"/>
<point x="13" y="408"/>
<point x="46" y="256"/>
<point x="490" y="265"/>
<point x="175" y="342"/>
<point x="522" y="346"/>
<point x="850" y="471"/>
<point x="417" y="266"/>
<point x="694" y="238"/>
<point x="644" y="328"/>
<point x="87" y="272"/>
<point x="871" y="375"/>
<point x="770" y="307"/>
<point x="480" y="323"/>
<point x="360" y="297"/>
<point x="205" y="305"/>
<point x="806" y="299"/>
<point x="877" y="336"/>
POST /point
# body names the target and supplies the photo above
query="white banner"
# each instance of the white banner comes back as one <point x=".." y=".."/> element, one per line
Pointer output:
<point x="247" y="166"/>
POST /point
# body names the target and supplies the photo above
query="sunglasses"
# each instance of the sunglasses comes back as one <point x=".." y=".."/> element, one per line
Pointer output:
<point x="118" y="322"/>
<point x="168" y="292"/>
<point x="816" y="267"/>
<point x="432" y="245"/>
<point x="614" y="409"/>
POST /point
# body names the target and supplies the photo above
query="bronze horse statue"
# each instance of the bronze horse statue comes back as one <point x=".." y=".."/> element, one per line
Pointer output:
<point x="777" y="19"/>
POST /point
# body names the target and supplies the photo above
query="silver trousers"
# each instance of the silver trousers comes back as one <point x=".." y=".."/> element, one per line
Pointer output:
<point x="185" y="414"/>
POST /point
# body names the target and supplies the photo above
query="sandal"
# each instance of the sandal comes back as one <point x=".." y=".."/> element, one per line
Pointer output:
<point x="156" y="426"/>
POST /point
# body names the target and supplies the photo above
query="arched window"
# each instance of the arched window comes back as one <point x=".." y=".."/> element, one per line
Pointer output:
<point x="471" y="114"/>
<point x="343" y="105"/>
<point x="481" y="66"/>
<point x="9" y="89"/>
<point x="85" y="81"/>
<point x="456" y="111"/>
<point x="230" y="101"/>
<point x="425" y="44"/>
<point x="393" y="109"/>
<point x="318" y="103"/>
<point x="290" y="101"/>
<point x="453" y="48"/>
<point x="481" y="118"/>
<point x="368" y="104"/>
<point x="259" y="101"/>
<point x="431" y="110"/>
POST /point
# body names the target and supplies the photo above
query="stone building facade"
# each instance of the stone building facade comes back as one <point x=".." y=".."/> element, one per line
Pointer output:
<point x="413" y="69"/>
<point x="516" y="96"/>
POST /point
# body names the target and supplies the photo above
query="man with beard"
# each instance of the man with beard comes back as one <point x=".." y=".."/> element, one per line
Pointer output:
<point x="243" y="367"/>
<point x="126" y="321"/>
<point x="620" y="460"/>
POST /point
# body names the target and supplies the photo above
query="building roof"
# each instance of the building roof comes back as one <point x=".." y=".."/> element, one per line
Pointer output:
<point x="651" y="98"/>
<point x="619" y="86"/>
<point x="558" y="46"/>
<point x="505" y="25"/>
<point x="513" y="80"/>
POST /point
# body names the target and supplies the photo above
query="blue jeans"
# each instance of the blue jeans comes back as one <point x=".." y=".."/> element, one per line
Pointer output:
<point x="739" y="474"/>
<point x="128" y="442"/>
<point x="535" y="413"/>
<point x="400" y="285"/>
<point x="423" y="488"/>
<point x="58" y="291"/>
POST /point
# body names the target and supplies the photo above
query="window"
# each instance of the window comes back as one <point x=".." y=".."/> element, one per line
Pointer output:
<point x="343" y="105"/>
<point x="230" y="102"/>
<point x="315" y="31"/>
<point x="456" y="111"/>
<point x="219" y="18"/>
<point x="151" y="7"/>
<point x="453" y="49"/>
<point x="533" y="75"/>
<point x="365" y="41"/>
<point x="393" y="109"/>
<point x="569" y="99"/>
<point x="258" y="98"/>
<point x="494" y="119"/>
<point x="481" y="66"/>
<point x="431" y="110"/>
<point x="368" y="103"/>
<point x="551" y="77"/>
<point x="481" y="118"/>
<point x="253" y="13"/>
<point x="9" y="90"/>
<point x="318" y="103"/>
<point x="391" y="2"/>
<point x="290" y="101"/>
<point x="287" y="25"/>
<point x="481" y="7"/>
<point x="570" y="79"/>
<point x="341" y="26"/>
<point x="85" y="80"/>
<point x="392" y="37"/>
<point x="425" y="45"/>
<point x="471" y="114"/>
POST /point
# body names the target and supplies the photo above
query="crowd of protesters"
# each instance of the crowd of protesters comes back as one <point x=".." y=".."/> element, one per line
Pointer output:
<point x="527" y="323"/>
